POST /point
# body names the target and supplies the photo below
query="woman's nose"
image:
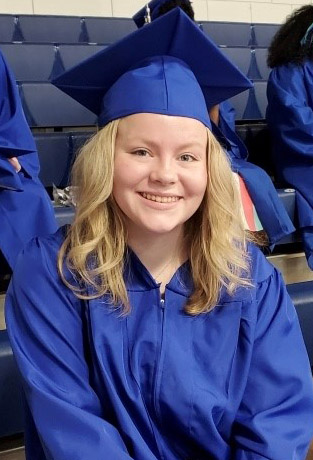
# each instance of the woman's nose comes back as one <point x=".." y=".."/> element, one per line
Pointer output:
<point x="164" y="172"/>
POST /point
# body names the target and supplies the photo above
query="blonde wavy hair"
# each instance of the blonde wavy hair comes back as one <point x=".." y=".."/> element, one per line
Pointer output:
<point x="94" y="247"/>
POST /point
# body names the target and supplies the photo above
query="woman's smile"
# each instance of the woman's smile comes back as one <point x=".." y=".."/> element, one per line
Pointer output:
<point x="160" y="198"/>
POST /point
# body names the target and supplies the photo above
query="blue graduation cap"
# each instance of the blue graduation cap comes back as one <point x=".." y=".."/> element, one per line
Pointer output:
<point x="170" y="68"/>
<point x="15" y="135"/>
<point x="151" y="11"/>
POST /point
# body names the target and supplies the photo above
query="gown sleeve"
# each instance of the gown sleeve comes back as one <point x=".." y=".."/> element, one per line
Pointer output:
<point x="289" y="113"/>
<point x="45" y="318"/>
<point x="275" y="418"/>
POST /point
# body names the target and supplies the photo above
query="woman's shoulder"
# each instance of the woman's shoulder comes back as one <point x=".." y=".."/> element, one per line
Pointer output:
<point x="260" y="268"/>
<point x="40" y="254"/>
<point x="290" y="70"/>
<point x="260" y="271"/>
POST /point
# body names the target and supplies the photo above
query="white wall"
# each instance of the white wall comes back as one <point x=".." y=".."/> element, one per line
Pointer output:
<point x="270" y="11"/>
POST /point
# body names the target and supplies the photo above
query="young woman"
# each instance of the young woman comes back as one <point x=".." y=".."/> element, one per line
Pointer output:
<point x="151" y="329"/>
<point x="290" y="113"/>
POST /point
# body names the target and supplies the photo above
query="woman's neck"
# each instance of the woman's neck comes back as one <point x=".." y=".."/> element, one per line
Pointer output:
<point x="160" y="254"/>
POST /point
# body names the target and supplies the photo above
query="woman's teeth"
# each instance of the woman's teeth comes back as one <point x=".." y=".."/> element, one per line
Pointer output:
<point x="160" y="199"/>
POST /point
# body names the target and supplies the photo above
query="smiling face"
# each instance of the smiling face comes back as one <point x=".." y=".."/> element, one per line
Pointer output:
<point x="160" y="172"/>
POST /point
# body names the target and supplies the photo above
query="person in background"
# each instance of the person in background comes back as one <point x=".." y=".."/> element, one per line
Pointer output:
<point x="261" y="207"/>
<point x="25" y="208"/>
<point x="151" y="328"/>
<point x="290" y="113"/>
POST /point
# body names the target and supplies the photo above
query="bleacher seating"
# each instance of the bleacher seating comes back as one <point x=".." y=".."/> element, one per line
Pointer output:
<point x="108" y="30"/>
<point x="63" y="29"/>
<point x="41" y="62"/>
<point x="49" y="29"/>
<point x="41" y="47"/>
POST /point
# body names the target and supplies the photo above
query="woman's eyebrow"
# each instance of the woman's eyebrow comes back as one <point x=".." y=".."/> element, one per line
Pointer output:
<point x="142" y="141"/>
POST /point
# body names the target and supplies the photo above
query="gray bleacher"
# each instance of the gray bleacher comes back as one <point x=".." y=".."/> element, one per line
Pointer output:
<point x="40" y="47"/>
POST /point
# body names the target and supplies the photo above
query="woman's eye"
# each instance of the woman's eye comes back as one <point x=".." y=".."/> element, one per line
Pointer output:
<point x="141" y="152"/>
<point x="187" y="157"/>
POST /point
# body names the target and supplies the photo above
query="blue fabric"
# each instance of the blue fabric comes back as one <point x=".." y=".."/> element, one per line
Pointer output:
<point x="290" y="119"/>
<point x="157" y="85"/>
<point x="158" y="384"/>
<point x="15" y="135"/>
<point x="271" y="211"/>
<point x="25" y="208"/>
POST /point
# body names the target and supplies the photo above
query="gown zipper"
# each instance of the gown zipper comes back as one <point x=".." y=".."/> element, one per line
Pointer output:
<point x="159" y="366"/>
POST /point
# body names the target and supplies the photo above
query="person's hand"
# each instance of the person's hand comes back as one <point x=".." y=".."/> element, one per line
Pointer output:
<point x="15" y="163"/>
<point x="215" y="114"/>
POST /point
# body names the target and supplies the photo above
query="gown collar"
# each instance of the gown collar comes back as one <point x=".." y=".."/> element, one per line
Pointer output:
<point x="138" y="278"/>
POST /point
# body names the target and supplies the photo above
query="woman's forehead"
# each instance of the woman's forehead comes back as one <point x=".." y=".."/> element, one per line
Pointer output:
<point x="157" y="126"/>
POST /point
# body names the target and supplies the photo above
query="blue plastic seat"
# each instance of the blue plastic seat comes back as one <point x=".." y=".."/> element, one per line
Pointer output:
<point x="261" y="58"/>
<point x="55" y="157"/>
<point x="228" y="33"/>
<point x="251" y="105"/>
<point x="50" y="29"/>
<point x="261" y="97"/>
<point x="6" y="27"/>
<point x="46" y="106"/>
<point x="238" y="56"/>
<point x="108" y="30"/>
<point x="239" y="102"/>
<point x="78" y="139"/>
<point x="73" y="54"/>
<point x="64" y="215"/>
<point x="302" y="297"/>
<point x="57" y="152"/>
<point x="29" y="62"/>
<point x="11" y="406"/>
<point x="264" y="34"/>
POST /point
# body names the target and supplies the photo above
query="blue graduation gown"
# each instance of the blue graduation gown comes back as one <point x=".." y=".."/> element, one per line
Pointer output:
<point x="271" y="211"/>
<point x="25" y="208"/>
<point x="290" y="119"/>
<point x="232" y="384"/>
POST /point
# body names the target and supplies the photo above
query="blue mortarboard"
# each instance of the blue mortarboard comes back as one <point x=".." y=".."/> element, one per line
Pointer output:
<point x="15" y="136"/>
<point x="153" y="7"/>
<point x="170" y="67"/>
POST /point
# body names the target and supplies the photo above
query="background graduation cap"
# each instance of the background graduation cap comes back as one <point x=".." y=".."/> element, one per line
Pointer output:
<point x="170" y="67"/>
<point x="151" y="11"/>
